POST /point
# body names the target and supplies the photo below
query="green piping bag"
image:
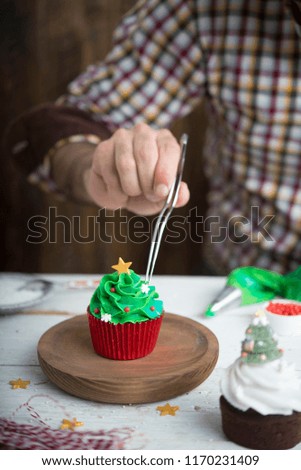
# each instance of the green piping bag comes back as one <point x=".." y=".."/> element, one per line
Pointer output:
<point x="250" y="285"/>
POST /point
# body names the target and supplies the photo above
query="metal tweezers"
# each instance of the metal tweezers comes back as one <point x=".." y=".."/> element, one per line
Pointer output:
<point x="165" y="212"/>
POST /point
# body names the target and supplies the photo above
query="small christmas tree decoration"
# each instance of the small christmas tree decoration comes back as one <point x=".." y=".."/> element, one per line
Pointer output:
<point x="260" y="344"/>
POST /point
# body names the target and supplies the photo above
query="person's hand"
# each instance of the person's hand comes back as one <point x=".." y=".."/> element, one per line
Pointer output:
<point x="134" y="169"/>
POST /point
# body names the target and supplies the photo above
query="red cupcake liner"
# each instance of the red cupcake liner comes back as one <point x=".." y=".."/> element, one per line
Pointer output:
<point x="124" y="342"/>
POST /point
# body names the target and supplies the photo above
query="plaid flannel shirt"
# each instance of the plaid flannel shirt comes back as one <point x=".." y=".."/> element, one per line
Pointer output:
<point x="244" y="58"/>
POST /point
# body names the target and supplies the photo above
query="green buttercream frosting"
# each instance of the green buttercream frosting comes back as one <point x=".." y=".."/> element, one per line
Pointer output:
<point x="125" y="298"/>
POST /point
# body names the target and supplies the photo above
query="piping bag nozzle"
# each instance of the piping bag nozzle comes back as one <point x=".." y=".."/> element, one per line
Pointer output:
<point x="229" y="297"/>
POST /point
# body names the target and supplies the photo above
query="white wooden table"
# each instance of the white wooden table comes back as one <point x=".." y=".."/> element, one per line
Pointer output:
<point x="197" y="423"/>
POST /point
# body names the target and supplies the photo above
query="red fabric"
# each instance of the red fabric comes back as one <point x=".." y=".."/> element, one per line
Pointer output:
<point x="29" y="138"/>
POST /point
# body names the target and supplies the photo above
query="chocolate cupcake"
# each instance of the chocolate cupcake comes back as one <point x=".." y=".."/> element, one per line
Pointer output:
<point x="261" y="393"/>
<point x="125" y="315"/>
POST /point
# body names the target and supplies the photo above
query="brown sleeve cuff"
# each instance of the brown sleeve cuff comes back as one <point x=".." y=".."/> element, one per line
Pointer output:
<point x="29" y="138"/>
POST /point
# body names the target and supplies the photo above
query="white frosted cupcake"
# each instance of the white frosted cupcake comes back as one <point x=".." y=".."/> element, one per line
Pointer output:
<point x="261" y="393"/>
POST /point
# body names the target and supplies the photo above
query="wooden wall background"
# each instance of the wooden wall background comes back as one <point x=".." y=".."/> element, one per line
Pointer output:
<point x="44" y="45"/>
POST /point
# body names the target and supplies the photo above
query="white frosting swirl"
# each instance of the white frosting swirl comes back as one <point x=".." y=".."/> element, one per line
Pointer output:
<point x="270" y="388"/>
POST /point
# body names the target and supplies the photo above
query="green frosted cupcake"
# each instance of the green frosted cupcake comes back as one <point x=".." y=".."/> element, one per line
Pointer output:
<point x="125" y="315"/>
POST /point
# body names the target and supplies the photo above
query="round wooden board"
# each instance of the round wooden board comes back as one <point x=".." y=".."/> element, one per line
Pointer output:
<point x="185" y="355"/>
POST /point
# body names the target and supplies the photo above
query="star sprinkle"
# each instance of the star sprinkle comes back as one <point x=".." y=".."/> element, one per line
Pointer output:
<point x="19" y="383"/>
<point x="67" y="424"/>
<point x="167" y="410"/>
<point x="122" y="267"/>
<point x="145" y="289"/>
<point x="106" y="317"/>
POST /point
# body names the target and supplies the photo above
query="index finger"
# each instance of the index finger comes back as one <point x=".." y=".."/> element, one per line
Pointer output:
<point x="167" y="164"/>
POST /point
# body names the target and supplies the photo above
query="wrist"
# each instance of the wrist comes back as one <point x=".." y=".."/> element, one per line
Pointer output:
<point x="70" y="167"/>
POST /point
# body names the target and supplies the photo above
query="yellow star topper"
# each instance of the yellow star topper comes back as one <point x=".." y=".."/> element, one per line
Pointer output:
<point x="67" y="424"/>
<point x="19" y="383"/>
<point x="122" y="267"/>
<point x="167" y="410"/>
